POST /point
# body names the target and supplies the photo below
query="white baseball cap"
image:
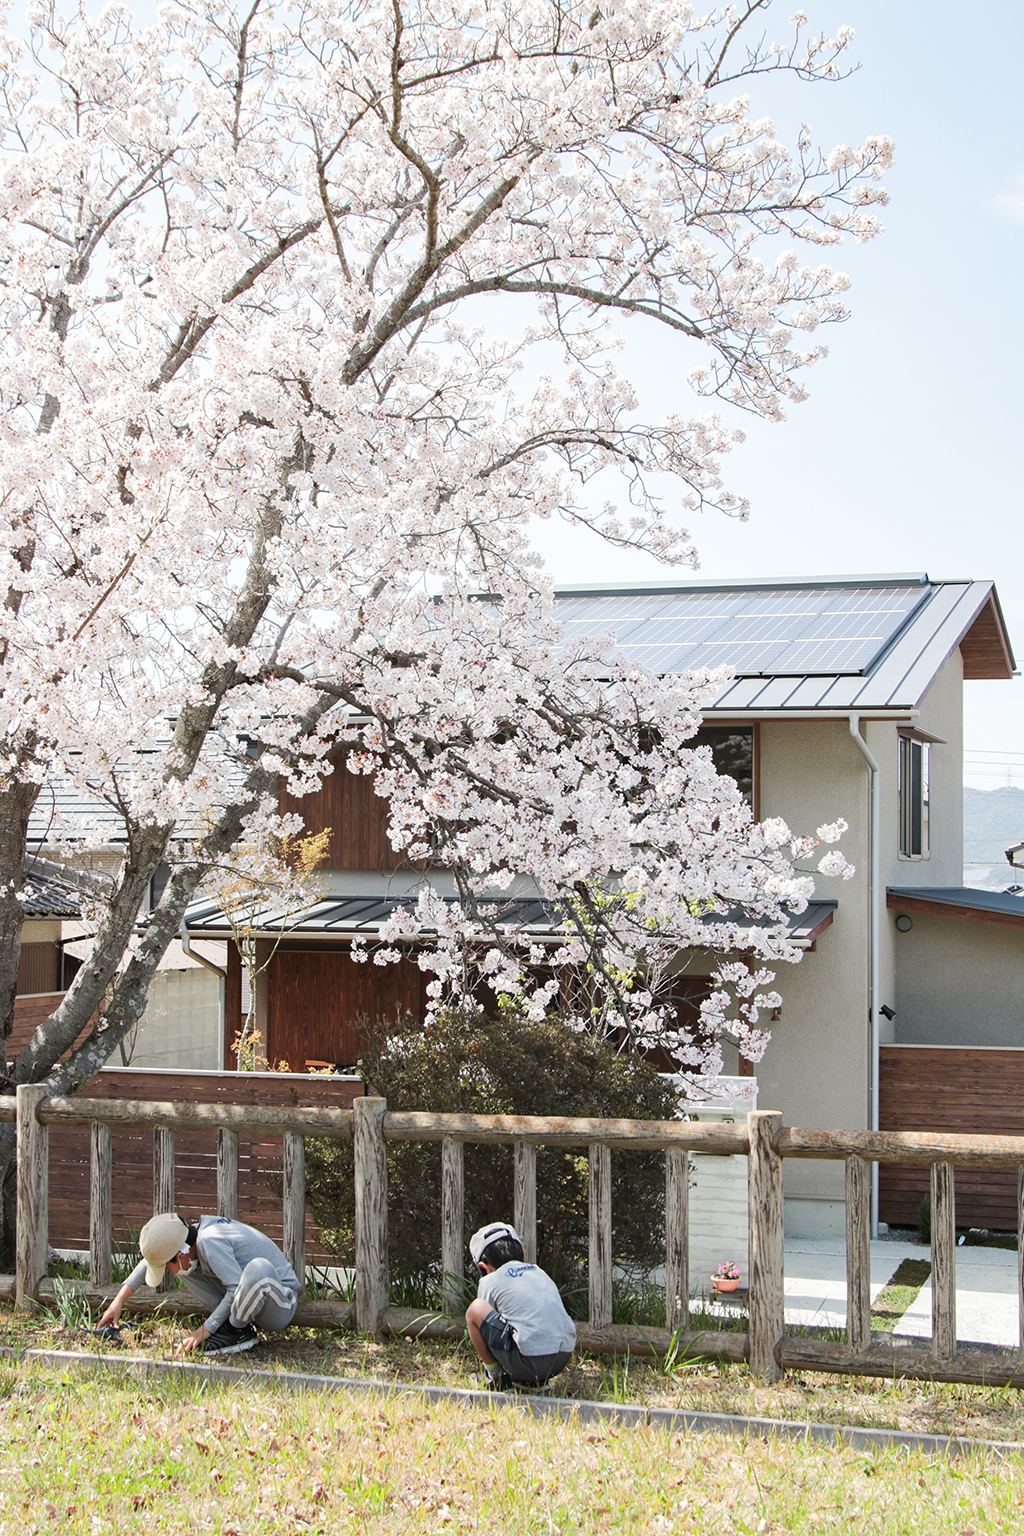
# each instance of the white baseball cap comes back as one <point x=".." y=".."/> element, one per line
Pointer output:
<point x="161" y="1239"/>
<point x="490" y="1234"/>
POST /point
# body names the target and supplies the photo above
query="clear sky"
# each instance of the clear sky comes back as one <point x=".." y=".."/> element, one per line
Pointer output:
<point x="907" y="456"/>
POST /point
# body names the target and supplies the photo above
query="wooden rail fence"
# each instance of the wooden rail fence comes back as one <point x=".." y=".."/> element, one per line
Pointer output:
<point x="763" y="1140"/>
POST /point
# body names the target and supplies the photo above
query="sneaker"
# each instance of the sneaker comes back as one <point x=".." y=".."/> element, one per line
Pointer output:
<point x="502" y="1383"/>
<point x="229" y="1340"/>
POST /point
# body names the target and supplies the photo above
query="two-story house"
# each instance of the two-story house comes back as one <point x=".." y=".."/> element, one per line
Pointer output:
<point x="846" y="701"/>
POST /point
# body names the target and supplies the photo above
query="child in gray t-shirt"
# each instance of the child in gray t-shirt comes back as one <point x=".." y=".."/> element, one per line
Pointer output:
<point x="518" y="1325"/>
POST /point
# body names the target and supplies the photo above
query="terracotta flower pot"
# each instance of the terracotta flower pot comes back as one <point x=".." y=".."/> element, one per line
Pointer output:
<point x="724" y="1285"/>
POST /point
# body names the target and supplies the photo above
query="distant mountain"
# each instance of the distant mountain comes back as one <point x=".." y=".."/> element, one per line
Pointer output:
<point x="993" y="822"/>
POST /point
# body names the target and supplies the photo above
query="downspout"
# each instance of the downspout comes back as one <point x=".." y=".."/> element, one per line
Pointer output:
<point x="875" y="941"/>
<point x="193" y="954"/>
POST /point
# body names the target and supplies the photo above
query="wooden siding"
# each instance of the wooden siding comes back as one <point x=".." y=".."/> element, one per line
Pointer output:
<point x="29" y="1013"/>
<point x="232" y="1005"/>
<point x="979" y="1092"/>
<point x="316" y="999"/>
<point x="195" y="1154"/>
<point x="39" y="968"/>
<point x="357" y="817"/>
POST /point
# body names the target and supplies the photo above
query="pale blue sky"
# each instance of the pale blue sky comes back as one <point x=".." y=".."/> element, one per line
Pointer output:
<point x="907" y="455"/>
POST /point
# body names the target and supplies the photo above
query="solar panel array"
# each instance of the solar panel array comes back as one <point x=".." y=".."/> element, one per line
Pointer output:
<point x="760" y="632"/>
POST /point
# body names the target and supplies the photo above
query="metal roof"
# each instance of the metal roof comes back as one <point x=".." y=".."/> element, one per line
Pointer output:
<point x="340" y="917"/>
<point x="1004" y="907"/>
<point x="865" y="644"/>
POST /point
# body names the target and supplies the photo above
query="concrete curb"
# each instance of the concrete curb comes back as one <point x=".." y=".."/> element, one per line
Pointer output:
<point x="671" y="1420"/>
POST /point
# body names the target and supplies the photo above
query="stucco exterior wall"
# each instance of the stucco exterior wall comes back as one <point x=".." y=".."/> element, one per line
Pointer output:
<point x="815" y="1068"/>
<point x="958" y="983"/>
<point x="181" y="1025"/>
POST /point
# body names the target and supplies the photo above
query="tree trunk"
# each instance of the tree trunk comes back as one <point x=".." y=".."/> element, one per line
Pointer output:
<point x="16" y="804"/>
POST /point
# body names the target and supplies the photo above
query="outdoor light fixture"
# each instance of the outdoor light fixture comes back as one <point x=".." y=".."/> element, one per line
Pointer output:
<point x="904" y="923"/>
<point x="887" y="1012"/>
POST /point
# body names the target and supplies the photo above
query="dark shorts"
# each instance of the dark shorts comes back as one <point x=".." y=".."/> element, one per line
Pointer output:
<point x="531" y="1370"/>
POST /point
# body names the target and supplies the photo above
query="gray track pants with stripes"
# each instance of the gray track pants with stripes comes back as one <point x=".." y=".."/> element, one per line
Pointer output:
<point x="259" y="1297"/>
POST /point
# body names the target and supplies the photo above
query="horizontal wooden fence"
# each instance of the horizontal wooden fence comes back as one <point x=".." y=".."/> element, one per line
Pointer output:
<point x="763" y="1140"/>
<point x="956" y="1090"/>
<point x="260" y="1154"/>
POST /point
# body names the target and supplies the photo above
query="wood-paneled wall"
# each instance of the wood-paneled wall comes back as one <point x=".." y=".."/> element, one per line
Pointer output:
<point x="357" y="817"/>
<point x="316" y="999"/>
<point x="39" y="968"/>
<point x="980" y="1092"/>
<point x="29" y="1013"/>
<point x="195" y="1154"/>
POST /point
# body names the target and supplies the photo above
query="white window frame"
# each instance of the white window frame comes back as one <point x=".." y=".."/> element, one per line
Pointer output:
<point x="914" y="797"/>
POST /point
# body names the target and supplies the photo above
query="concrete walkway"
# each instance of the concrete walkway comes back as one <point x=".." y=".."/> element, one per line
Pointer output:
<point x="986" y="1289"/>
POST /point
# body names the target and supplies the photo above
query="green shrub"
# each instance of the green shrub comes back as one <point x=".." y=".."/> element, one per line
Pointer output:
<point x="467" y="1064"/>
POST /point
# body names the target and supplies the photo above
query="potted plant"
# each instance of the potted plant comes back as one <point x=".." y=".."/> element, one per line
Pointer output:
<point x="726" y="1277"/>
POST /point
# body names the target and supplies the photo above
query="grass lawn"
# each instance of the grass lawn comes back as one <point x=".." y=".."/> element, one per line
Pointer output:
<point x="87" y="1455"/>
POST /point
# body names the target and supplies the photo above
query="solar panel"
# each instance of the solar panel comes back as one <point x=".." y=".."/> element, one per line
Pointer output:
<point x="760" y="632"/>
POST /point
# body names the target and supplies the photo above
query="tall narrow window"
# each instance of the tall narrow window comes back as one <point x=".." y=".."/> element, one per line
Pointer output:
<point x="914" y="798"/>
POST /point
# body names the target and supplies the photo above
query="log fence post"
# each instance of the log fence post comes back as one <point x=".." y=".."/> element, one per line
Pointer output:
<point x="100" y="1213"/>
<point x="600" y="1203"/>
<point x="677" y="1239"/>
<point x="227" y="1173"/>
<point x="371" y="1199"/>
<point x="943" y="1262"/>
<point x="858" y="1253"/>
<point x="294" y="1199"/>
<point x="765" y="1257"/>
<point x="453" y="1222"/>
<point x="32" y="1240"/>
<point x="524" y="1215"/>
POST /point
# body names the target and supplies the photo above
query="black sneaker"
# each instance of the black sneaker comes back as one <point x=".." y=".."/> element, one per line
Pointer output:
<point x="229" y="1340"/>
<point x="502" y="1383"/>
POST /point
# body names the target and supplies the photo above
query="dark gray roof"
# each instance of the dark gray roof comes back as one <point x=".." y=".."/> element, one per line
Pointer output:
<point x="868" y="644"/>
<point x="999" y="904"/>
<point x="348" y="916"/>
<point x="53" y="890"/>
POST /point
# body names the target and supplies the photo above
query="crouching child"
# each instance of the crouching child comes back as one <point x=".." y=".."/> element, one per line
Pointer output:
<point x="517" y="1324"/>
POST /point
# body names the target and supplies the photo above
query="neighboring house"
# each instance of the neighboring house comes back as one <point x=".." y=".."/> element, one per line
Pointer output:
<point x="183" y="1022"/>
<point x="847" y="701"/>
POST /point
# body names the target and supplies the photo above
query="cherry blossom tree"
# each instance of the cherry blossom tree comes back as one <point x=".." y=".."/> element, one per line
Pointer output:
<point x="308" y="314"/>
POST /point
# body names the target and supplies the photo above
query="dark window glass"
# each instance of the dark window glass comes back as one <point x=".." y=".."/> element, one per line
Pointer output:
<point x="158" y="884"/>
<point x="732" y="751"/>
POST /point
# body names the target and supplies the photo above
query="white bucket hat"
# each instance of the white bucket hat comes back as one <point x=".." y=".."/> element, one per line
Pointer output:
<point x="490" y="1234"/>
<point x="161" y="1239"/>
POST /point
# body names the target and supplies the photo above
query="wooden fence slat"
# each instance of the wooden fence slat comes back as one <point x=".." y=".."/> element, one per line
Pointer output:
<point x="294" y="1199"/>
<point x="858" y="1253"/>
<point x="524" y="1217"/>
<point x="371" y="1192"/>
<point x="943" y="1262"/>
<point x="100" y="1213"/>
<point x="1020" y="1254"/>
<point x="600" y="1202"/>
<point x="227" y="1173"/>
<point x="453" y="1221"/>
<point x="32" y="1240"/>
<point x="163" y="1181"/>
<point x="765" y="1246"/>
<point x="677" y="1239"/>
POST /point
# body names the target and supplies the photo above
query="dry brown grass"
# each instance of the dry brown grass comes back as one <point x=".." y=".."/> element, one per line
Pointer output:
<point x="87" y="1455"/>
<point x="995" y="1413"/>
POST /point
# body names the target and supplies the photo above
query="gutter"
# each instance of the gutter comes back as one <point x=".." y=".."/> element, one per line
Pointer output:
<point x="875" y="906"/>
<point x="194" y="954"/>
